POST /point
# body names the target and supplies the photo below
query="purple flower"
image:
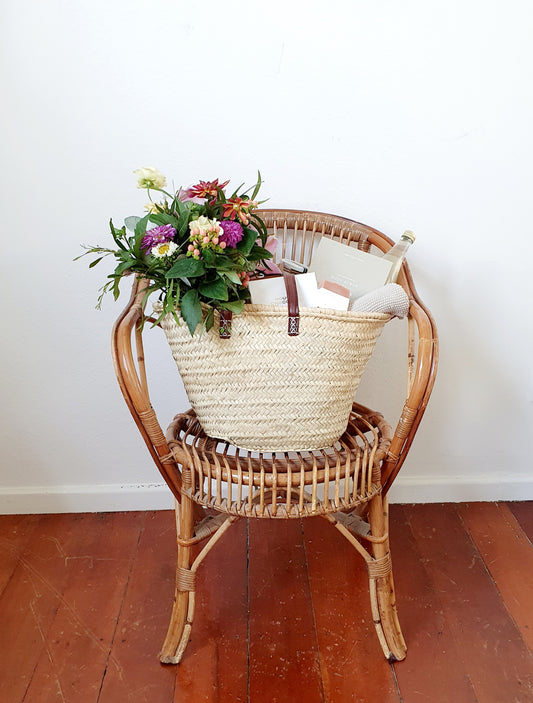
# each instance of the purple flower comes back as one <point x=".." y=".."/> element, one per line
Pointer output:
<point x="158" y="235"/>
<point x="233" y="233"/>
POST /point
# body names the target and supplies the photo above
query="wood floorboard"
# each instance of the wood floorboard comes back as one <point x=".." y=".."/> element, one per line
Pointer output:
<point x="59" y="610"/>
<point x="433" y="669"/>
<point x="15" y="532"/>
<point x="282" y="610"/>
<point x="508" y="556"/>
<point x="219" y="640"/>
<point x="523" y="512"/>
<point x="284" y="663"/>
<point x="498" y="661"/>
<point x="133" y="672"/>
<point x="352" y="663"/>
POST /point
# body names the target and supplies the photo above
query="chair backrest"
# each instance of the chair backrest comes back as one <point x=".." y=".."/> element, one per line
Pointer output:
<point x="298" y="233"/>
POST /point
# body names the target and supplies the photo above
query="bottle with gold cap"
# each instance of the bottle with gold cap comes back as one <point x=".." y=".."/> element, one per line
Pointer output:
<point x="397" y="253"/>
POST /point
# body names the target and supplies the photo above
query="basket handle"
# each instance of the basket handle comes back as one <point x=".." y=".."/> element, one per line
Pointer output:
<point x="293" y="309"/>
<point x="292" y="304"/>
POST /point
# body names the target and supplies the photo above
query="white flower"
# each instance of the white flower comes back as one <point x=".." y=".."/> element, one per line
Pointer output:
<point x="151" y="208"/>
<point x="150" y="177"/>
<point x="164" y="249"/>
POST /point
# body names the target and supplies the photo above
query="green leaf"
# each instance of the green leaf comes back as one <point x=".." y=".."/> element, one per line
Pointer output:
<point x="257" y="186"/>
<point x="182" y="223"/>
<point x="186" y="267"/>
<point x="236" y="306"/>
<point x="233" y="277"/>
<point x="217" y="289"/>
<point x="140" y="227"/>
<point x="96" y="261"/>
<point x="209" y="257"/>
<point x="124" y="266"/>
<point x="247" y="242"/>
<point x="191" y="310"/>
<point x="131" y="222"/>
<point x="209" y="319"/>
<point x="259" y="253"/>
<point x="163" y="218"/>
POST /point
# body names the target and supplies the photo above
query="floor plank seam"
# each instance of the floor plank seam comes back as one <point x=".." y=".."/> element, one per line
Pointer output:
<point x="312" y="611"/>
<point x="248" y="605"/>
<point x="119" y="612"/>
<point x="400" y="698"/>
<point x="18" y="553"/>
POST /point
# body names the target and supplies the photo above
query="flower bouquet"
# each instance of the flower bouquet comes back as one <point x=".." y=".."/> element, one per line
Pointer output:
<point x="198" y="248"/>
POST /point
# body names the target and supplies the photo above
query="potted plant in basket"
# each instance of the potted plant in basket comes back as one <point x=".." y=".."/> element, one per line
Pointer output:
<point x="198" y="248"/>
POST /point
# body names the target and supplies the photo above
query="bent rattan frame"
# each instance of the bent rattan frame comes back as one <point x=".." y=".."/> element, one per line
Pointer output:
<point x="215" y="484"/>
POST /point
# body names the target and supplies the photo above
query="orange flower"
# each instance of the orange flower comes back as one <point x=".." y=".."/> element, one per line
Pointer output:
<point x="237" y="207"/>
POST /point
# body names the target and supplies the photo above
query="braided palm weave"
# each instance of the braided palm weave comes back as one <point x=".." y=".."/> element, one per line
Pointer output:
<point x="262" y="390"/>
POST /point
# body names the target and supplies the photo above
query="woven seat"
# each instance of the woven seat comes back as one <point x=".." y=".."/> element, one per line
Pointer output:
<point x="299" y="484"/>
<point x="215" y="483"/>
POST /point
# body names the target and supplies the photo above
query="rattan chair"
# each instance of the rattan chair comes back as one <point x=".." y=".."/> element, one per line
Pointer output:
<point x="215" y="484"/>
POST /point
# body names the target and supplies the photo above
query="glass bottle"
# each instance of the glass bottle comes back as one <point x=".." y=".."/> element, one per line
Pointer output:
<point x="397" y="253"/>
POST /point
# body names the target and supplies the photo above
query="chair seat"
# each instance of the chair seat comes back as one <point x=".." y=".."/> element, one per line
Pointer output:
<point x="218" y="475"/>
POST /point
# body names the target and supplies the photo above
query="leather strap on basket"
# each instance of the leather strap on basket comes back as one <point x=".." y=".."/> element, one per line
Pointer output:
<point x="293" y="327"/>
<point x="292" y="304"/>
<point x="224" y="329"/>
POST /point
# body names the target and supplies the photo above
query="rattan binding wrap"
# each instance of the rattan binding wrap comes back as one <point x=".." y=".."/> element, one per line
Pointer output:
<point x="262" y="390"/>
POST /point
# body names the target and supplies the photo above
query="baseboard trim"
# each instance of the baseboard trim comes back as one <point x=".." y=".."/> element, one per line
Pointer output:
<point x="156" y="496"/>
<point x="461" y="489"/>
<point x="85" y="499"/>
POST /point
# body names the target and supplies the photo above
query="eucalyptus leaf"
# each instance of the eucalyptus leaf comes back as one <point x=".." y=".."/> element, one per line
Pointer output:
<point x="131" y="222"/>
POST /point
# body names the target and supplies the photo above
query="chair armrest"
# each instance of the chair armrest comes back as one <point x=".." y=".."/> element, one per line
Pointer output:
<point x="133" y="383"/>
<point x="422" y="359"/>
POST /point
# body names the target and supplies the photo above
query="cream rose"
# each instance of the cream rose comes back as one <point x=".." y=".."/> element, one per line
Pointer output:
<point x="150" y="177"/>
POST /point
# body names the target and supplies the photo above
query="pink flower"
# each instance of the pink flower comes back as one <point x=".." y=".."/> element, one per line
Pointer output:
<point x="204" y="190"/>
<point x="158" y="235"/>
<point x="233" y="233"/>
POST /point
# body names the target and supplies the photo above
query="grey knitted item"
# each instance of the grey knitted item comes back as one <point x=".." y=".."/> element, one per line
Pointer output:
<point x="390" y="298"/>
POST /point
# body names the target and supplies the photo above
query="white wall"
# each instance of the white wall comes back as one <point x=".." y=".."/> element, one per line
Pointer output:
<point x="402" y="115"/>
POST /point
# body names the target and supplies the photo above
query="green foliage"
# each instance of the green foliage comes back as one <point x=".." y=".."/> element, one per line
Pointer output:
<point x="191" y="277"/>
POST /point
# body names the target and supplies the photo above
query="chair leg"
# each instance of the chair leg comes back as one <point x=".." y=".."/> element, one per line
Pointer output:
<point x="382" y="595"/>
<point x="179" y="628"/>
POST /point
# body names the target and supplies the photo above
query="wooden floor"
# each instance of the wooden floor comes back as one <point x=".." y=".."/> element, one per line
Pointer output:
<point x="85" y="600"/>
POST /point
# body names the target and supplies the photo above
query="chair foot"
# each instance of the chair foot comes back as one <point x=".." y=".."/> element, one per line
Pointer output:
<point x="385" y="617"/>
<point x="382" y="596"/>
<point x="179" y="629"/>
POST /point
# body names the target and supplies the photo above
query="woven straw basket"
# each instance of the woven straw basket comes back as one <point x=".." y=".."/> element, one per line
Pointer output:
<point x="263" y="390"/>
